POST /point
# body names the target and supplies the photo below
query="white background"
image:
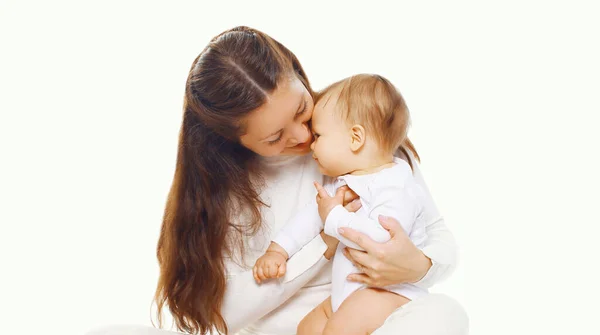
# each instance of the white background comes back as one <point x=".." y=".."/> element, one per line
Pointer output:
<point x="504" y="97"/>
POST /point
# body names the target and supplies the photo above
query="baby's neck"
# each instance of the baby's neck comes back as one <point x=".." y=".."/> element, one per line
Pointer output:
<point x="375" y="164"/>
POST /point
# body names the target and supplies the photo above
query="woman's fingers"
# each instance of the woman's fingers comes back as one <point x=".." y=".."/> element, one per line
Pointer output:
<point x="361" y="278"/>
<point x="368" y="280"/>
<point x="360" y="259"/>
<point x="391" y="225"/>
<point x="361" y="239"/>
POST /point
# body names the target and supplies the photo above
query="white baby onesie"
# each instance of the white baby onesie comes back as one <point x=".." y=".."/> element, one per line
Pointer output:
<point x="391" y="192"/>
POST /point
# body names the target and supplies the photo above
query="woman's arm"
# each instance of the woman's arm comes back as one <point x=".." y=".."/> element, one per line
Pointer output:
<point x="399" y="260"/>
<point x="246" y="301"/>
<point x="441" y="249"/>
<point x="440" y="246"/>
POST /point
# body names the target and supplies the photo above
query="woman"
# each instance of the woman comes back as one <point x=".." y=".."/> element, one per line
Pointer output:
<point x="243" y="168"/>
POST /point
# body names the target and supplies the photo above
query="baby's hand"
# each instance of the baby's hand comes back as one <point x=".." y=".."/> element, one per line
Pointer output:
<point x="326" y="202"/>
<point x="271" y="264"/>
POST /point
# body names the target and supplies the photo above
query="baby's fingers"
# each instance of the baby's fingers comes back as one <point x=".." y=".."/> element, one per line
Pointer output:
<point x="282" y="269"/>
<point x="321" y="192"/>
<point x="273" y="270"/>
<point x="261" y="274"/>
<point x="255" y="274"/>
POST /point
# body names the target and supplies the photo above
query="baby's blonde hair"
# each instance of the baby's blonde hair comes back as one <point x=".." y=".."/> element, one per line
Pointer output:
<point x="374" y="102"/>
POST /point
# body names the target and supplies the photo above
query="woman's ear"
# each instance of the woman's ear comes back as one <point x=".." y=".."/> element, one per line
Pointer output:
<point x="358" y="135"/>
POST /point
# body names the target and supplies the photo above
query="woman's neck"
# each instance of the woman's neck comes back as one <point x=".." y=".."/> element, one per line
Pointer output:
<point x="279" y="159"/>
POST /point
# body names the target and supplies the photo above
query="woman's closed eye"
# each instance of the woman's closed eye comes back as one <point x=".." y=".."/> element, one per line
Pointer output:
<point x="278" y="139"/>
<point x="275" y="141"/>
<point x="300" y="112"/>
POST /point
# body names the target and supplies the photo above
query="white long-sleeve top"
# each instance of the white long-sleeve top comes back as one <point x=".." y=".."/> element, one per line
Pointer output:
<point x="277" y="306"/>
<point x="391" y="192"/>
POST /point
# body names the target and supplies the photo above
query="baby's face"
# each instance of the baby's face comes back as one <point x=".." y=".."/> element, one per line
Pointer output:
<point x="331" y="146"/>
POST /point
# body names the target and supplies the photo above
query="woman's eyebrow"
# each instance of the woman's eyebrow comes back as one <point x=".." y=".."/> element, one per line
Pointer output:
<point x="302" y="100"/>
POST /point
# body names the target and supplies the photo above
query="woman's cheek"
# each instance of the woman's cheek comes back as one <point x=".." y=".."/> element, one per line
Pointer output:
<point x="275" y="150"/>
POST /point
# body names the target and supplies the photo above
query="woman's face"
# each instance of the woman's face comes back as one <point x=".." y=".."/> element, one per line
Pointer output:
<point x="280" y="126"/>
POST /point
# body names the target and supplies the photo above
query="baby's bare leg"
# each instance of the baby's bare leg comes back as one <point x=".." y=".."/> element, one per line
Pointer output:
<point x="314" y="322"/>
<point x="363" y="311"/>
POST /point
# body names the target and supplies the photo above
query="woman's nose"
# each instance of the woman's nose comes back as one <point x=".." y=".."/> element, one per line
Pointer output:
<point x="301" y="134"/>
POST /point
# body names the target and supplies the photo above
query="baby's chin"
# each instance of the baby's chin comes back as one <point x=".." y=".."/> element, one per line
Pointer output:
<point x="326" y="172"/>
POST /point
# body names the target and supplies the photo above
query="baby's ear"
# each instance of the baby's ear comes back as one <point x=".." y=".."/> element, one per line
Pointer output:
<point x="358" y="135"/>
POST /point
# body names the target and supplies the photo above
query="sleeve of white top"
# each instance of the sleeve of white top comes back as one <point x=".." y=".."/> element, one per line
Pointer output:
<point x="300" y="230"/>
<point x="440" y="245"/>
<point x="246" y="301"/>
<point x="403" y="209"/>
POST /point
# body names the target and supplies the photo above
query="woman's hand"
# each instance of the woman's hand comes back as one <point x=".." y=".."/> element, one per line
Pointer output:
<point x="352" y="203"/>
<point x="396" y="261"/>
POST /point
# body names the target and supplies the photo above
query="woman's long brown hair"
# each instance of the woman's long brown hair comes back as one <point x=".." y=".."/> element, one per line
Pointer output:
<point x="230" y="78"/>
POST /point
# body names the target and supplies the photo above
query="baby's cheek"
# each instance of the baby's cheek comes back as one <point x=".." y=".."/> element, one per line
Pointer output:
<point x="332" y="152"/>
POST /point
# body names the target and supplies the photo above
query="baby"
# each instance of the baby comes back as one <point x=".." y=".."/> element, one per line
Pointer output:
<point x="358" y="124"/>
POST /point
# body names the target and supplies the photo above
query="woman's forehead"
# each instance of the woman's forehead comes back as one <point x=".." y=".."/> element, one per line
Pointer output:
<point x="279" y="109"/>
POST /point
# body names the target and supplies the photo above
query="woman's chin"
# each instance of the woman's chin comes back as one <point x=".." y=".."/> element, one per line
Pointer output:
<point x="300" y="149"/>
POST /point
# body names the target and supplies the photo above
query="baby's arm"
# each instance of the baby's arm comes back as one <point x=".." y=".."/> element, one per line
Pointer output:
<point x="300" y="229"/>
<point x="395" y="203"/>
<point x="296" y="233"/>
